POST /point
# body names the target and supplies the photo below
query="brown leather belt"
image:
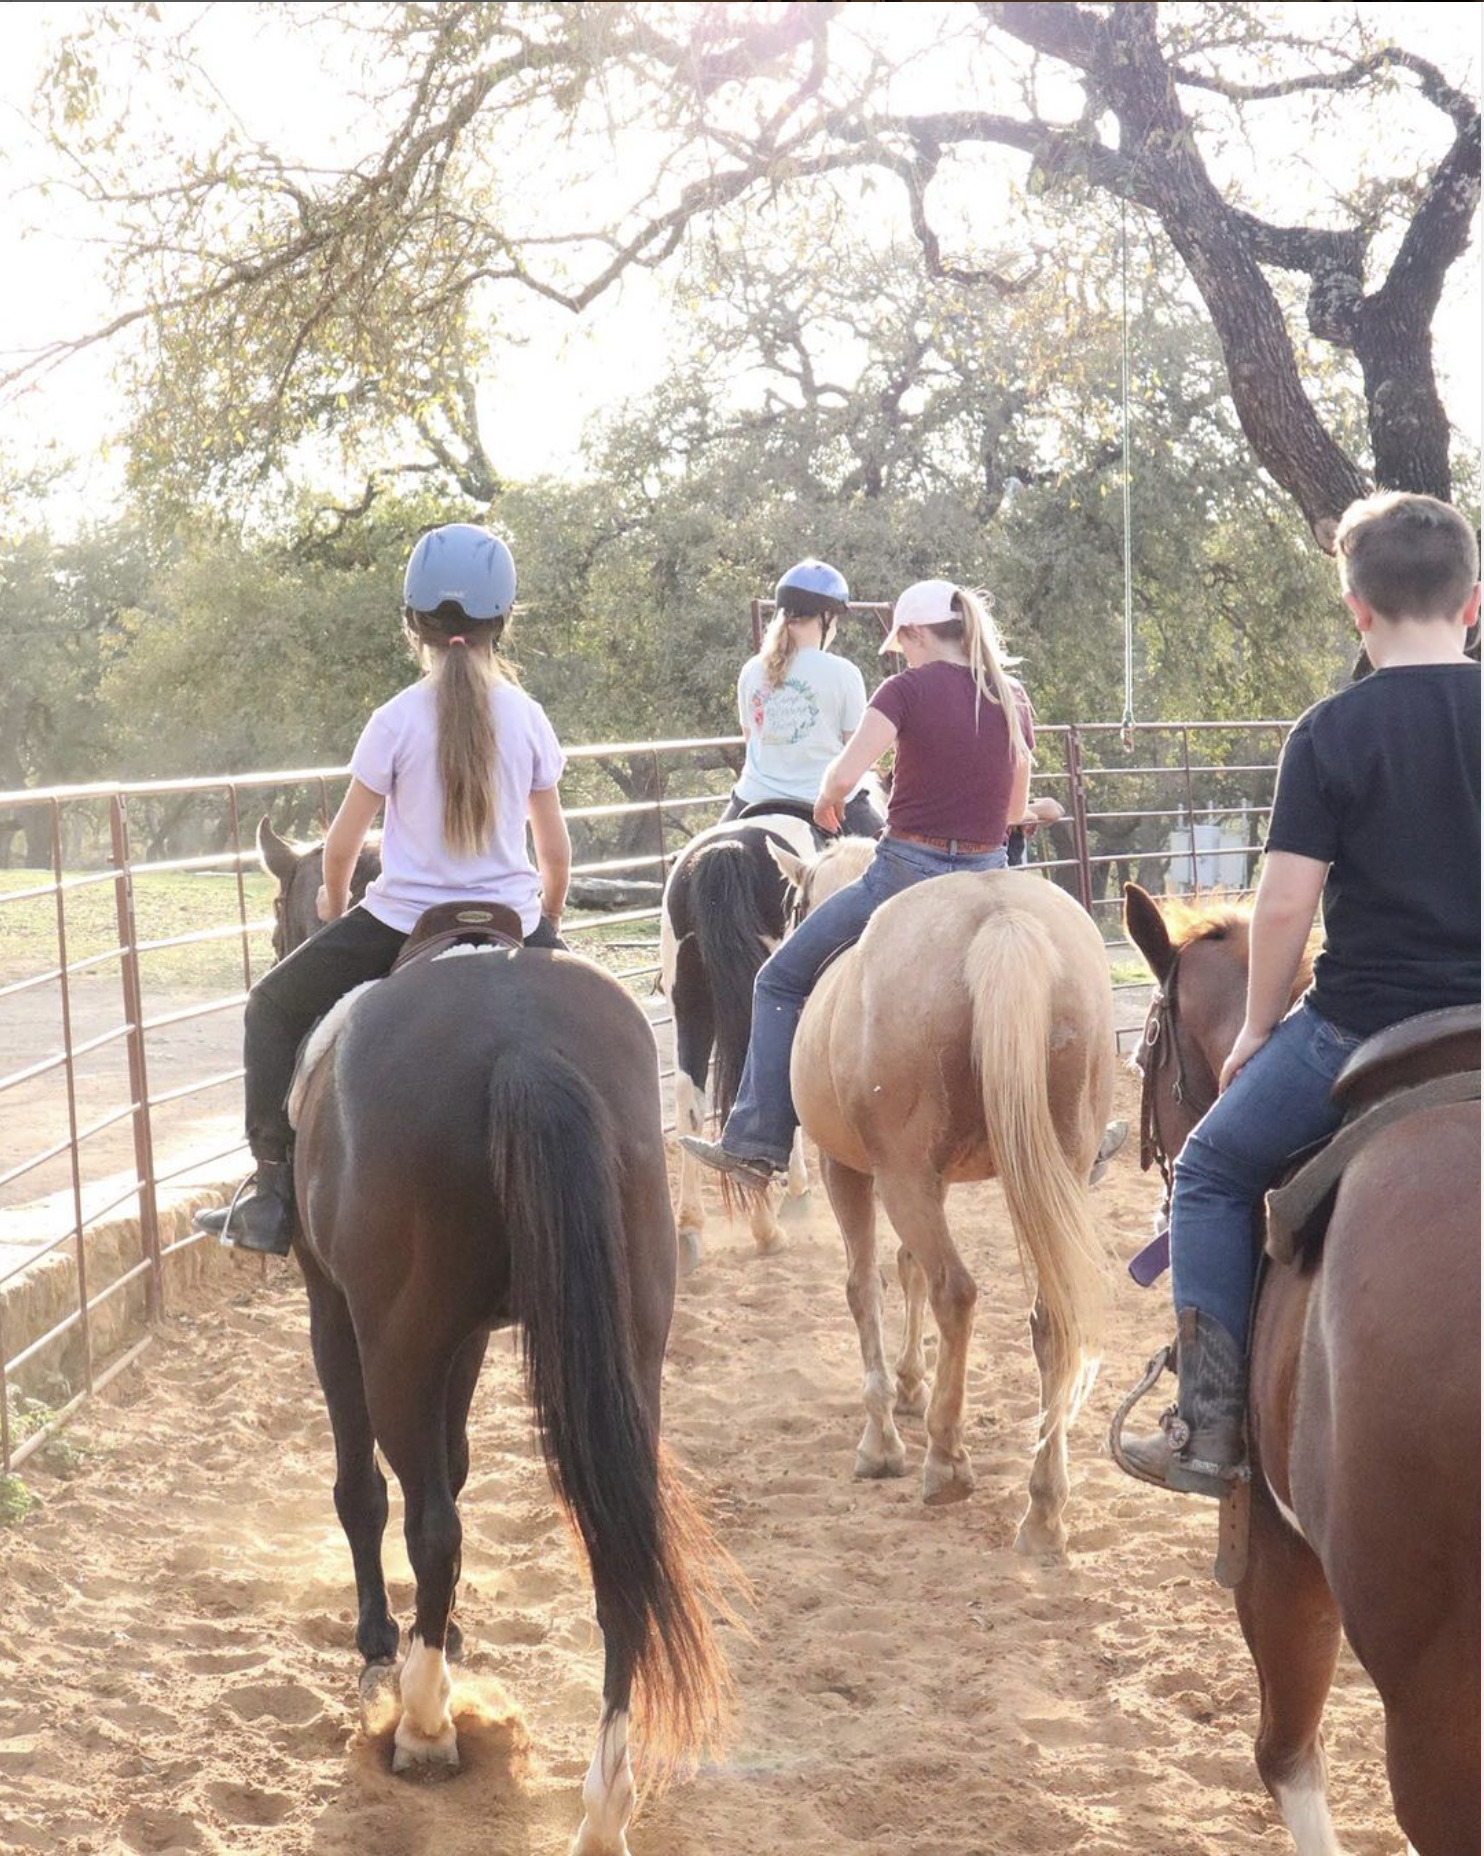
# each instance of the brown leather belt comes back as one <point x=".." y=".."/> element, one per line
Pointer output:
<point x="957" y="847"/>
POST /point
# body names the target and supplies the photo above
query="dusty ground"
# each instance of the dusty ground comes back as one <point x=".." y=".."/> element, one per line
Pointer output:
<point x="175" y="1622"/>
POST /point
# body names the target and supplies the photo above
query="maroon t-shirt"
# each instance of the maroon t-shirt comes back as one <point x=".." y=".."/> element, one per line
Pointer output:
<point x="954" y="769"/>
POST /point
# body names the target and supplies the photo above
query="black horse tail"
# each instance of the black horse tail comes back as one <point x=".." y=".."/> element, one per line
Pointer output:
<point x="729" y="928"/>
<point x="555" y="1170"/>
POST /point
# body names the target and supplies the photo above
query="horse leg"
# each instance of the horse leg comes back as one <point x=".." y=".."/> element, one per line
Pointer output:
<point x="407" y="1384"/>
<point x="1292" y="1626"/>
<point x="914" y="1203"/>
<point x="690" y="1118"/>
<point x="881" y="1451"/>
<point x="1432" y="1746"/>
<point x="360" y="1487"/>
<point x="762" y="1218"/>
<point x="798" y="1172"/>
<point x="912" y="1386"/>
<point x="1041" y="1530"/>
<point x="461" y="1383"/>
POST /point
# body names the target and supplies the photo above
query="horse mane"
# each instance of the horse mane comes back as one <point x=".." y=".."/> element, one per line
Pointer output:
<point x="1228" y="921"/>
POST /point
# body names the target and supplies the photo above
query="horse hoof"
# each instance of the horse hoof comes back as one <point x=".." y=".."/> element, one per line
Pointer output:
<point x="770" y="1245"/>
<point x="879" y="1468"/>
<point x="1047" y="1544"/>
<point x="377" y="1679"/>
<point x="795" y="1204"/>
<point x="944" y="1482"/>
<point x="415" y="1749"/>
<point x="588" y="1842"/>
<point x="913" y="1404"/>
<point x="689" y="1243"/>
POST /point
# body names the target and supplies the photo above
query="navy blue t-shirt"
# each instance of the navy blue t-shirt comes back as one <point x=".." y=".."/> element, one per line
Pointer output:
<point x="1381" y="782"/>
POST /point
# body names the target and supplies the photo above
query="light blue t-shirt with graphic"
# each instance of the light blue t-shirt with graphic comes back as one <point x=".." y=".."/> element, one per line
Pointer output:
<point x="795" y="731"/>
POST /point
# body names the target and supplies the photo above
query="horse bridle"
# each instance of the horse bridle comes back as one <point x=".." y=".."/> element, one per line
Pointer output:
<point x="1159" y="1047"/>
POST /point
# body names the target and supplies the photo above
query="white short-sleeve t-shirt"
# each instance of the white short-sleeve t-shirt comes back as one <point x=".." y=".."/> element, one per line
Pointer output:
<point x="397" y="756"/>
<point x="795" y="731"/>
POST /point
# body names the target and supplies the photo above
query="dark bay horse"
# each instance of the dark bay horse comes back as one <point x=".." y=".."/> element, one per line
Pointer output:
<point x="299" y="871"/>
<point x="722" y="914"/>
<point x="480" y="1147"/>
<point x="1363" y="1425"/>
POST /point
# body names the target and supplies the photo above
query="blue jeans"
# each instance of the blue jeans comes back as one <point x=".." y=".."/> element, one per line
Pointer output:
<point x="1278" y="1105"/>
<point x="762" y="1122"/>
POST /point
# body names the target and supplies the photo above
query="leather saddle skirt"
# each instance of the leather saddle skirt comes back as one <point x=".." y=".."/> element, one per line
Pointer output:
<point x="1417" y="1064"/>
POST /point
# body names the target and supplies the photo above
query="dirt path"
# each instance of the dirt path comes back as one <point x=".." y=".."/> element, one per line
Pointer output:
<point x="176" y="1620"/>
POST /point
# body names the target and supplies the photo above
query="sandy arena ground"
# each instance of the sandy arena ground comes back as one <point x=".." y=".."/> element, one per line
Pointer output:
<point x="176" y="1620"/>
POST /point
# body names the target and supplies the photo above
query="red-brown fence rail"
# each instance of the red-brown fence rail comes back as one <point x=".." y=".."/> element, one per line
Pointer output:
<point x="120" y="923"/>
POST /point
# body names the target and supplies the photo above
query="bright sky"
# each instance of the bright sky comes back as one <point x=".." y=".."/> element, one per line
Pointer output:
<point x="568" y="370"/>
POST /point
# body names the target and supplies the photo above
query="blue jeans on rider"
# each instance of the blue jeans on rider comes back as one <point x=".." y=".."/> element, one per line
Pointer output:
<point x="1278" y="1105"/>
<point x="762" y="1122"/>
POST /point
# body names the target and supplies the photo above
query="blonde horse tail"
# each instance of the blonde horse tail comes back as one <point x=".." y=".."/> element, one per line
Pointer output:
<point x="1011" y="967"/>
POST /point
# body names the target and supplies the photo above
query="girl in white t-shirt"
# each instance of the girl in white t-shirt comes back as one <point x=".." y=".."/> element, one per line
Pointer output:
<point x="798" y="706"/>
<point x="461" y="761"/>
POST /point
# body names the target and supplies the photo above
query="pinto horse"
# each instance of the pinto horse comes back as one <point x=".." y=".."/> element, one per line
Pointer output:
<point x="721" y="915"/>
<point x="481" y="1147"/>
<point x="967" y="1035"/>
<point x="1363" y="1422"/>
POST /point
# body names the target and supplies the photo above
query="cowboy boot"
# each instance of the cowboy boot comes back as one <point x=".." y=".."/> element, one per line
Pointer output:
<point x="1199" y="1447"/>
<point x="1114" y="1135"/>
<point x="264" y="1221"/>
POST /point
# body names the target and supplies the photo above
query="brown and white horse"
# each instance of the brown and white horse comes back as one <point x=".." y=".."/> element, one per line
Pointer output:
<point x="967" y="1035"/>
<point x="1363" y="1425"/>
<point x="721" y="915"/>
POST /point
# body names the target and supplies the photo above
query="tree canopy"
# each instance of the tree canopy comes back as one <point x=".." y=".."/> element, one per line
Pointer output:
<point x="542" y="148"/>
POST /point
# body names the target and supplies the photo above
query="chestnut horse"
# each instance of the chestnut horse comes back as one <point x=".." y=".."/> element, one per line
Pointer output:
<point x="967" y="1035"/>
<point x="481" y="1147"/>
<point x="1363" y="1424"/>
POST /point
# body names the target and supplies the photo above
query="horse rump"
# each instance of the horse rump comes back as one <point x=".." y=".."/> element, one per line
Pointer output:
<point x="556" y="1172"/>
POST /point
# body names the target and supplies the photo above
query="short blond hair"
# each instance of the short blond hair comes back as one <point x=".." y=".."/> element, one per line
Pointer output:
<point x="1407" y="556"/>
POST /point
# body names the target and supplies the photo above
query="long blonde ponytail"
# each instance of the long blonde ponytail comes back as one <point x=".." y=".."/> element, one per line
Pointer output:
<point x="464" y="672"/>
<point x="780" y="642"/>
<point x="985" y="652"/>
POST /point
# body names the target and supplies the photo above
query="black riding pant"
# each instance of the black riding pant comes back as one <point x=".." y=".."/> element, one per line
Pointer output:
<point x="302" y="987"/>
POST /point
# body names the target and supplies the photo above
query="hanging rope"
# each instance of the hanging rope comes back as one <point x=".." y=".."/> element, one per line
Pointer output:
<point x="1128" y="548"/>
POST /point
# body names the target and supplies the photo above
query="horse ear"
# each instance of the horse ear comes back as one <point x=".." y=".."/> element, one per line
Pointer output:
<point x="278" y="856"/>
<point x="791" y="868"/>
<point x="1147" y="930"/>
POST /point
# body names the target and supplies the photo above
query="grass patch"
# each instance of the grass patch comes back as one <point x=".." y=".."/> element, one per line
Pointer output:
<point x="166" y="904"/>
<point x="16" y="1501"/>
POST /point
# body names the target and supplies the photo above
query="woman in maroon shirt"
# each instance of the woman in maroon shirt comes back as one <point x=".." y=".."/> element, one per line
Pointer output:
<point x="962" y="730"/>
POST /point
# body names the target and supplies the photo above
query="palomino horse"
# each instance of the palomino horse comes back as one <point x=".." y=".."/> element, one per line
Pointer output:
<point x="722" y="914"/>
<point x="1363" y="1423"/>
<point x="481" y="1148"/>
<point x="967" y="1035"/>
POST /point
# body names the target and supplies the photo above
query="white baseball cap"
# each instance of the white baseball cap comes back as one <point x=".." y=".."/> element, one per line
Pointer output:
<point x="926" y="602"/>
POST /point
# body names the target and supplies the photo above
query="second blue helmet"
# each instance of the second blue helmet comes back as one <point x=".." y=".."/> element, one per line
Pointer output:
<point x="812" y="589"/>
<point x="462" y="565"/>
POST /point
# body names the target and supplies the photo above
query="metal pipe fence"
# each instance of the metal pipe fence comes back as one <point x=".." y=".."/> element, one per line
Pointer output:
<point x="160" y="931"/>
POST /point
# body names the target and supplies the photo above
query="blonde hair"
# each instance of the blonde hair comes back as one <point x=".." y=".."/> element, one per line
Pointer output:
<point x="463" y="674"/>
<point x="977" y="632"/>
<point x="781" y="642"/>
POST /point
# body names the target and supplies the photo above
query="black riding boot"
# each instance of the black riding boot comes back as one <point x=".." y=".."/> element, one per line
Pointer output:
<point x="1199" y="1446"/>
<point x="263" y="1221"/>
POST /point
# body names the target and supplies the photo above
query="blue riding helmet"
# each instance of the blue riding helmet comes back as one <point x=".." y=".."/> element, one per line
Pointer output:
<point x="812" y="589"/>
<point x="464" y="565"/>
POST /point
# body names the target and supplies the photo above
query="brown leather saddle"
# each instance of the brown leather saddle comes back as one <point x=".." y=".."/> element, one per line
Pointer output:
<point x="459" y="924"/>
<point x="1417" y="1064"/>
